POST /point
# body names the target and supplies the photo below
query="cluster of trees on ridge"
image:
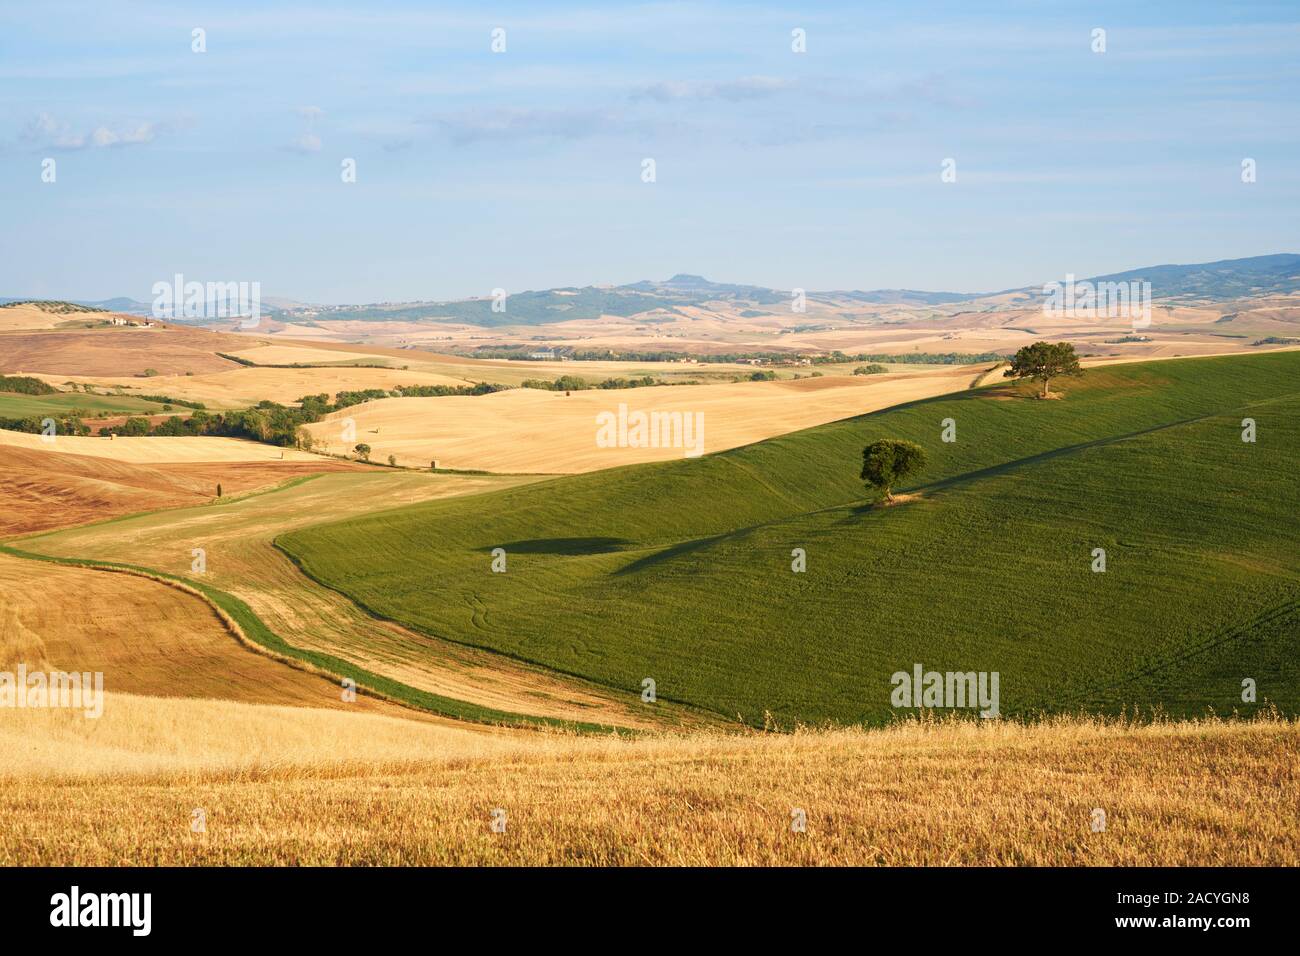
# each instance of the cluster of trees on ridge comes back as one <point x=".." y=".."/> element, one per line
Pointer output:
<point x="575" y="383"/>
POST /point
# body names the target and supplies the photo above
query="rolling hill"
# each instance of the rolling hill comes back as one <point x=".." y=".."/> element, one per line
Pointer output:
<point x="681" y="571"/>
<point x="662" y="300"/>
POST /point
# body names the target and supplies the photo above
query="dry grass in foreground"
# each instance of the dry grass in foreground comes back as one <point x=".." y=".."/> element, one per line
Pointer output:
<point x="940" y="794"/>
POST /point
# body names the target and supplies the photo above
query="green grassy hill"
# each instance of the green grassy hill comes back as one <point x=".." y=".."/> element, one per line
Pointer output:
<point x="13" y="405"/>
<point x="682" y="571"/>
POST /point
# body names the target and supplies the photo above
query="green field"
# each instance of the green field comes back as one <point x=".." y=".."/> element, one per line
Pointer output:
<point x="13" y="405"/>
<point x="681" y="571"/>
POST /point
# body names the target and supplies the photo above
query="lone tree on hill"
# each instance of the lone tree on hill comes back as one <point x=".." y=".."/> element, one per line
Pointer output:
<point x="363" y="451"/>
<point x="1044" y="361"/>
<point x="888" y="461"/>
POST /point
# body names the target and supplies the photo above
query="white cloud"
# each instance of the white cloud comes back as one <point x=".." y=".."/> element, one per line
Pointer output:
<point x="47" y="132"/>
<point x="744" y="88"/>
<point x="128" y="136"/>
<point x="306" y="143"/>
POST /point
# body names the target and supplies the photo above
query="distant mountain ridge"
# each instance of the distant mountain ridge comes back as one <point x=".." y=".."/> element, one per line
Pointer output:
<point x="119" y="304"/>
<point x="1227" y="278"/>
<point x="660" y="301"/>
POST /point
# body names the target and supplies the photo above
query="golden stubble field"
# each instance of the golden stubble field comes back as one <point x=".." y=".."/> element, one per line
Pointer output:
<point x="242" y="386"/>
<point x="29" y="317"/>
<point x="157" y="450"/>
<point x="285" y="786"/>
<point x="536" y="431"/>
<point x="145" y="637"/>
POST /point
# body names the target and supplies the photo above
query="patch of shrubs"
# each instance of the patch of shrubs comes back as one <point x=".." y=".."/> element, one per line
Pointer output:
<point x="167" y="400"/>
<point x="23" y="385"/>
<point x="575" y="383"/>
<point x="68" y="425"/>
<point x="438" y="391"/>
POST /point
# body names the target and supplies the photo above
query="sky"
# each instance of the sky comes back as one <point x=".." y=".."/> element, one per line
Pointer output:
<point x="525" y="168"/>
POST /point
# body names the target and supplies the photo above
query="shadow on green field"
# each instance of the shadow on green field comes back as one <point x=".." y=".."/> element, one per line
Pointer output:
<point x="672" y="551"/>
<point x="567" y="546"/>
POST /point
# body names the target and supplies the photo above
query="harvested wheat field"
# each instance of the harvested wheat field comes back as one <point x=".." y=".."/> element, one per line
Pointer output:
<point x="146" y="637"/>
<point x="959" y="793"/>
<point x="294" y="353"/>
<point x="147" y="734"/>
<point x="33" y="317"/>
<point x="536" y="431"/>
<point x="41" y="489"/>
<point x="162" y="349"/>
<point x="241" y="386"/>
<point x="157" y="450"/>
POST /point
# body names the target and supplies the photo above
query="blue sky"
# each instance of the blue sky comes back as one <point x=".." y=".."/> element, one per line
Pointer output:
<point x="522" y="169"/>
